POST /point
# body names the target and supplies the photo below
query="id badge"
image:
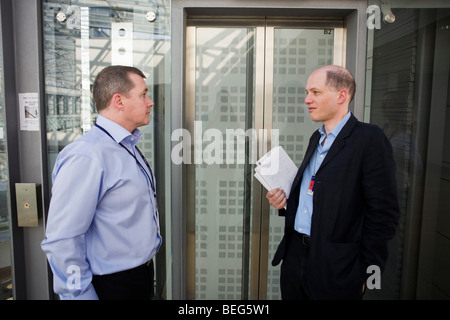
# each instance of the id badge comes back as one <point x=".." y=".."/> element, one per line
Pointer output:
<point x="311" y="186"/>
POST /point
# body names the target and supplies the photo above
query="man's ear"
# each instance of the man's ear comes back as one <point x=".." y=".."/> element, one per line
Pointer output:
<point x="343" y="95"/>
<point x="117" y="102"/>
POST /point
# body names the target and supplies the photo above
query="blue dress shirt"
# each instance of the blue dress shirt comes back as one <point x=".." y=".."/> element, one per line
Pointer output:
<point x="304" y="213"/>
<point x="103" y="216"/>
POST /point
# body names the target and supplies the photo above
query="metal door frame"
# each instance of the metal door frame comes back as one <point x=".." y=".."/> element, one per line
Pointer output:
<point x="24" y="72"/>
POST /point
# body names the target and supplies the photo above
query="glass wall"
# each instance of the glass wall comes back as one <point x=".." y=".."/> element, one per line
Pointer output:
<point x="80" y="39"/>
<point x="5" y="235"/>
<point x="408" y="96"/>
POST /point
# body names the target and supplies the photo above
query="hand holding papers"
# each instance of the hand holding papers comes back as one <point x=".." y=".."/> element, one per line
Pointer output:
<point x="276" y="170"/>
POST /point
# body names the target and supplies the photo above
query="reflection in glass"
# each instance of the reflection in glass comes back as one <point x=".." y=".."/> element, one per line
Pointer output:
<point x="407" y="78"/>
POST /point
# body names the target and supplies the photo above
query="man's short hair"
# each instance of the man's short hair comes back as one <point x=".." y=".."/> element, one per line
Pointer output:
<point x="340" y="78"/>
<point x="112" y="80"/>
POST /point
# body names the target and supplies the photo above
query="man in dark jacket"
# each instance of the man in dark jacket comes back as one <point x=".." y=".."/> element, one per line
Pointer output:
<point x="343" y="206"/>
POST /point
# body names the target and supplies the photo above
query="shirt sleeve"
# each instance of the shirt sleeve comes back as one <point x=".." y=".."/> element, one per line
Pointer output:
<point x="77" y="182"/>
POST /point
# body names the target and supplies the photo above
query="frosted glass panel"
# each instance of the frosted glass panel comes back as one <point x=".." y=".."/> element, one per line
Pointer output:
<point x="224" y="95"/>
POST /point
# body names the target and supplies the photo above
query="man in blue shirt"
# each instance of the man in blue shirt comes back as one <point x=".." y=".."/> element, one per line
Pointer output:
<point x="343" y="205"/>
<point x="103" y="226"/>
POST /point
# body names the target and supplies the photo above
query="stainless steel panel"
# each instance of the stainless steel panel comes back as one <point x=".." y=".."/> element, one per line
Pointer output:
<point x="28" y="204"/>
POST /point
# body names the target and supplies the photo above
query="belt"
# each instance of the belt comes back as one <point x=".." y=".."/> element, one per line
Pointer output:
<point x="148" y="264"/>
<point x="304" y="238"/>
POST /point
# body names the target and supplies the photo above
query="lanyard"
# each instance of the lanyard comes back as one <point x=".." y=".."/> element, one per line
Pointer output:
<point x="152" y="184"/>
<point x="313" y="177"/>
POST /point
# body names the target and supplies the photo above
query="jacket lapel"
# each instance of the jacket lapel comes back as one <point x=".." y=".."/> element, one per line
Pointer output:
<point x="339" y="142"/>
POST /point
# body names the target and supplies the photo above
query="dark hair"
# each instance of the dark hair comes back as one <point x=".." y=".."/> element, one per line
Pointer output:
<point x="340" y="78"/>
<point x="112" y="80"/>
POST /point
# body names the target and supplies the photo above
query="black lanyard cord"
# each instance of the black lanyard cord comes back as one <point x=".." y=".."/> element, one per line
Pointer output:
<point x="152" y="184"/>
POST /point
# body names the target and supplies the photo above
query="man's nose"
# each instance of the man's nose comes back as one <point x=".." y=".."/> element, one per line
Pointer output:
<point x="308" y="99"/>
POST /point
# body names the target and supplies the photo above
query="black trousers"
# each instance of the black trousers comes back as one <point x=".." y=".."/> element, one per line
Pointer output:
<point x="133" y="284"/>
<point x="292" y="278"/>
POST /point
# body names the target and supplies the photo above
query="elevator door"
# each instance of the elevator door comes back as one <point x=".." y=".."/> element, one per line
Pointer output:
<point x="245" y="90"/>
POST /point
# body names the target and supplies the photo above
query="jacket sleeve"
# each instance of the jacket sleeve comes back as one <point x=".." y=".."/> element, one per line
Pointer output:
<point x="381" y="211"/>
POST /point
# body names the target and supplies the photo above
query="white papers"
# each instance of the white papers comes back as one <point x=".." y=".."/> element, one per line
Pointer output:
<point x="276" y="170"/>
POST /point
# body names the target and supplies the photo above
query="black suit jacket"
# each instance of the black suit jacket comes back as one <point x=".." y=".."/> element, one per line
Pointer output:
<point x="355" y="211"/>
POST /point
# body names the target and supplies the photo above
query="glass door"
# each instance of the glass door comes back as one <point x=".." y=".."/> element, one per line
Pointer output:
<point x="245" y="90"/>
<point x="221" y="86"/>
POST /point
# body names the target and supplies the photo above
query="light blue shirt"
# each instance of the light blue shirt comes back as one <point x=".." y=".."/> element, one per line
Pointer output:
<point x="304" y="213"/>
<point x="103" y="216"/>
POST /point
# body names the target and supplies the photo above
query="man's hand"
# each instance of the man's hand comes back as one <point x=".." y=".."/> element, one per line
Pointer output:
<point x="277" y="198"/>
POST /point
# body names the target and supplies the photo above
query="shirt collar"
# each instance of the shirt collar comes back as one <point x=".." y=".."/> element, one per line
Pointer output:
<point x="336" y="129"/>
<point x="119" y="133"/>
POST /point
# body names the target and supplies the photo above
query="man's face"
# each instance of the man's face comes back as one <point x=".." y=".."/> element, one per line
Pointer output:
<point x="136" y="103"/>
<point x="321" y="100"/>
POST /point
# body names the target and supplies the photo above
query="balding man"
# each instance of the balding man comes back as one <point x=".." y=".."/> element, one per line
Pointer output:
<point x="343" y="206"/>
